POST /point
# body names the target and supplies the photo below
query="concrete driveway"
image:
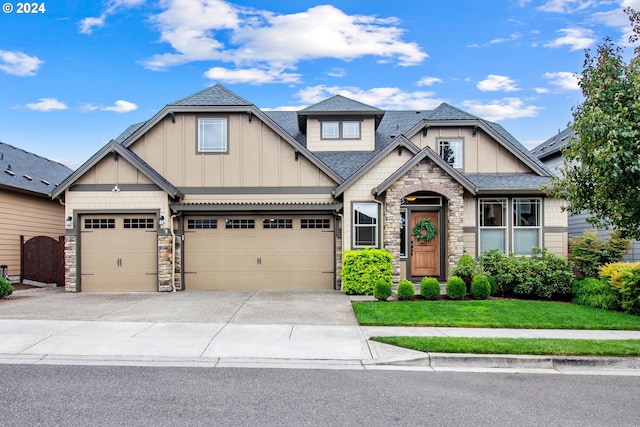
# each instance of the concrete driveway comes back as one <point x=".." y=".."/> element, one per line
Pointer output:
<point x="244" y="307"/>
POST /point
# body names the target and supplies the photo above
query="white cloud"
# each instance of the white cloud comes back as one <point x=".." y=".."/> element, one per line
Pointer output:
<point x="251" y="76"/>
<point x="121" y="106"/>
<point x="217" y="30"/>
<point x="386" y="98"/>
<point x="575" y="38"/>
<point x="19" y="63"/>
<point x="44" y="104"/>
<point x="566" y="6"/>
<point x="494" y="83"/>
<point x="564" y="80"/>
<point x="542" y="90"/>
<point x="429" y="81"/>
<point x="506" y="108"/>
<point x="337" y="72"/>
<point x="112" y="6"/>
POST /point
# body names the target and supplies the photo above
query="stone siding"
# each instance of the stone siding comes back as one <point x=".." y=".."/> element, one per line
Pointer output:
<point x="70" y="263"/>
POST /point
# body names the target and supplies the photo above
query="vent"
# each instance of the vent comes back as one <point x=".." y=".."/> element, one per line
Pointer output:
<point x="28" y="177"/>
<point x="10" y="172"/>
<point x="45" y="182"/>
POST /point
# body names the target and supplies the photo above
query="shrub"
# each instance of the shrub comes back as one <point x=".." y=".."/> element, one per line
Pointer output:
<point x="362" y="268"/>
<point x="493" y="282"/>
<point x="589" y="252"/>
<point x="490" y="261"/>
<point x="596" y="293"/>
<point x="625" y="279"/>
<point x="456" y="288"/>
<point x="480" y="287"/>
<point x="466" y="266"/>
<point x="430" y="288"/>
<point x="6" y="288"/>
<point x="382" y="290"/>
<point x="406" y="290"/>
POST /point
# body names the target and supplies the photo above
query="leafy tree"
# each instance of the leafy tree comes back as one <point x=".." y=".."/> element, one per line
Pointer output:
<point x="601" y="171"/>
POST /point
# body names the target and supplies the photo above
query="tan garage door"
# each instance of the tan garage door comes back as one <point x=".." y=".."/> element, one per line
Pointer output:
<point x="294" y="252"/>
<point x="118" y="253"/>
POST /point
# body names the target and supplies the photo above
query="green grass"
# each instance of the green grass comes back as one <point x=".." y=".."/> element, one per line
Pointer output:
<point x="492" y="314"/>
<point x="533" y="346"/>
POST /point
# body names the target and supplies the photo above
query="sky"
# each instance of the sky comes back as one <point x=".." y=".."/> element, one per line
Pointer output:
<point x="75" y="74"/>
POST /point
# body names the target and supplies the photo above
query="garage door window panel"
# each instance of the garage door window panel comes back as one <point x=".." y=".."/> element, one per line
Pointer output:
<point x="240" y="224"/>
<point x="139" y="223"/>
<point x="277" y="223"/>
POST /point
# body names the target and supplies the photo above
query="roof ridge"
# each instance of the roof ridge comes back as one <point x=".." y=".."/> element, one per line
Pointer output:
<point x="228" y="94"/>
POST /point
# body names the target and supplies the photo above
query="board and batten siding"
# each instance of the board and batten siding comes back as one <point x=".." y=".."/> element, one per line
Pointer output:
<point x="29" y="216"/>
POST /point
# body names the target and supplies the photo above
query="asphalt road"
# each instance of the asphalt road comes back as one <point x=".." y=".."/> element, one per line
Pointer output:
<point x="143" y="396"/>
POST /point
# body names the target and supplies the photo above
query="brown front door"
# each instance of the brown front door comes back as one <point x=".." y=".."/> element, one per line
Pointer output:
<point x="425" y="256"/>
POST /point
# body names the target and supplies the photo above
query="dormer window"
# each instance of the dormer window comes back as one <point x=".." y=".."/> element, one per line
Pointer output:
<point x="451" y="151"/>
<point x="340" y="129"/>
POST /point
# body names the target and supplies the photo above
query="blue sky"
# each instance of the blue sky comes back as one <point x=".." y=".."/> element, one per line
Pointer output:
<point x="75" y="75"/>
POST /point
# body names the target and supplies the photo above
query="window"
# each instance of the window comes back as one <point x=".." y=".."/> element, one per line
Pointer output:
<point x="139" y="223"/>
<point x="365" y="225"/>
<point x="493" y="224"/>
<point x="240" y="223"/>
<point x="99" y="223"/>
<point x="277" y="223"/>
<point x="202" y="224"/>
<point x="212" y="135"/>
<point x="526" y="225"/>
<point x="451" y="152"/>
<point x="315" y="223"/>
<point x="337" y="129"/>
<point x="403" y="232"/>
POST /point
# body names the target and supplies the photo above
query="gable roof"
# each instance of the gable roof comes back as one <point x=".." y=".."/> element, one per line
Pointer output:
<point x="214" y="95"/>
<point x="114" y="147"/>
<point x="27" y="172"/>
<point x="339" y="104"/>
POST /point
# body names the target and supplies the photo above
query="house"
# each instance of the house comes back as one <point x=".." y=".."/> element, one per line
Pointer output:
<point x="214" y="193"/>
<point x="550" y="153"/>
<point x="26" y="209"/>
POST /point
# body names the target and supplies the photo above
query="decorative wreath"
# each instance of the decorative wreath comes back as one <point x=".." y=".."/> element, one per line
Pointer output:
<point x="427" y="226"/>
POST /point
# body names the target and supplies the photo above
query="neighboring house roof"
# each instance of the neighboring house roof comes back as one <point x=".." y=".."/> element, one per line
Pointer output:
<point x="555" y="144"/>
<point x="27" y="172"/>
<point x="112" y="147"/>
<point x="339" y="104"/>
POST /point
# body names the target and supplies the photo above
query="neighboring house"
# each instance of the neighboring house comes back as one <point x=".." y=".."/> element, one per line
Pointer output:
<point x="214" y="193"/>
<point x="550" y="153"/>
<point x="26" y="208"/>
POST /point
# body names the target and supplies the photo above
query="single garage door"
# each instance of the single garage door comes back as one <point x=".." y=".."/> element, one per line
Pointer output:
<point x="118" y="253"/>
<point x="293" y="252"/>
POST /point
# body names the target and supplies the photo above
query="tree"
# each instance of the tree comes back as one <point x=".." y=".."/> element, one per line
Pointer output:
<point x="601" y="171"/>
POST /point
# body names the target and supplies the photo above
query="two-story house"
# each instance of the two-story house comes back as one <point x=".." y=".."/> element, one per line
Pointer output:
<point x="214" y="193"/>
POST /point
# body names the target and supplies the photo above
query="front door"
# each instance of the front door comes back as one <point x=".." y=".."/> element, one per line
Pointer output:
<point x="425" y="256"/>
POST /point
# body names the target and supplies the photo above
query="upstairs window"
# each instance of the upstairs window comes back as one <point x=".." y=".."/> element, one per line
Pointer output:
<point x="212" y="135"/>
<point x="451" y="151"/>
<point x="340" y="129"/>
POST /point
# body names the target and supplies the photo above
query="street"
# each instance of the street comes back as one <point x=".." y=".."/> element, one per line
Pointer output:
<point x="135" y="396"/>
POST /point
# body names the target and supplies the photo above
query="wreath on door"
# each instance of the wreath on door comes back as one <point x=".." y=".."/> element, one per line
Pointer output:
<point x="430" y="231"/>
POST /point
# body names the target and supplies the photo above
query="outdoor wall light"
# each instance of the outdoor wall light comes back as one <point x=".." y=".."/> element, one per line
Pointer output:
<point x="161" y="220"/>
<point x="69" y="221"/>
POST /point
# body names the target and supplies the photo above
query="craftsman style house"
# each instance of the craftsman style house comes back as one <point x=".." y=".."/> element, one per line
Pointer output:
<point x="214" y="193"/>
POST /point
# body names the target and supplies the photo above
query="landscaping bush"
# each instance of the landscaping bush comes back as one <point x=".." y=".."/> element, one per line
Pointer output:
<point x="480" y="287"/>
<point x="430" y="288"/>
<point x="543" y="275"/>
<point x="406" y="290"/>
<point x="625" y="279"/>
<point x="589" y="252"/>
<point x="362" y="268"/>
<point x="596" y="293"/>
<point x="382" y="290"/>
<point x="466" y="267"/>
<point x="493" y="282"/>
<point x="6" y="288"/>
<point x="456" y="288"/>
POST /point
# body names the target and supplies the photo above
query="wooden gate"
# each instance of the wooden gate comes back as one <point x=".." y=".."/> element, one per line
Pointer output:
<point x="42" y="260"/>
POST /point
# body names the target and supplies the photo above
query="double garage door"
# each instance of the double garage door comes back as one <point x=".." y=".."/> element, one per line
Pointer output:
<point x="259" y="252"/>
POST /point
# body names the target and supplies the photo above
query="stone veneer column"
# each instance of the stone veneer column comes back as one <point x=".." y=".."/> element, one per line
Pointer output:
<point x="70" y="263"/>
<point x="426" y="176"/>
<point x="164" y="262"/>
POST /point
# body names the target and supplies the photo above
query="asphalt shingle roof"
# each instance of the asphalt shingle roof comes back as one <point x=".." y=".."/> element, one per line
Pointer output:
<point x="25" y="171"/>
<point x="215" y="95"/>
<point x="555" y="144"/>
<point x="519" y="181"/>
<point x="340" y="104"/>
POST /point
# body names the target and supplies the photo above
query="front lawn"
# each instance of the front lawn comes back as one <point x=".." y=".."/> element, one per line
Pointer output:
<point x="534" y="346"/>
<point x="497" y="313"/>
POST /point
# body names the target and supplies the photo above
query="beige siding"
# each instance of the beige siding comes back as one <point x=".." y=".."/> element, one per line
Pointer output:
<point x="112" y="170"/>
<point x="481" y="153"/>
<point x="116" y="200"/>
<point x="365" y="143"/>
<point x="256" y="157"/>
<point x="29" y="216"/>
<point x="554" y="216"/>
<point x="470" y="245"/>
<point x="360" y="191"/>
<point x="557" y="243"/>
<point x="470" y="212"/>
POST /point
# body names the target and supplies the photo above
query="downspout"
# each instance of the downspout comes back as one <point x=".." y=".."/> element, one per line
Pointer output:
<point x="173" y="253"/>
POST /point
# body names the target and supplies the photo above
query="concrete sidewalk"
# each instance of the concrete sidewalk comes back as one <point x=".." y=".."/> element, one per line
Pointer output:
<point x="132" y="329"/>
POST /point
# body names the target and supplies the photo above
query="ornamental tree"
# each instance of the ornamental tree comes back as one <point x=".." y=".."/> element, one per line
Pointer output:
<point x="601" y="171"/>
